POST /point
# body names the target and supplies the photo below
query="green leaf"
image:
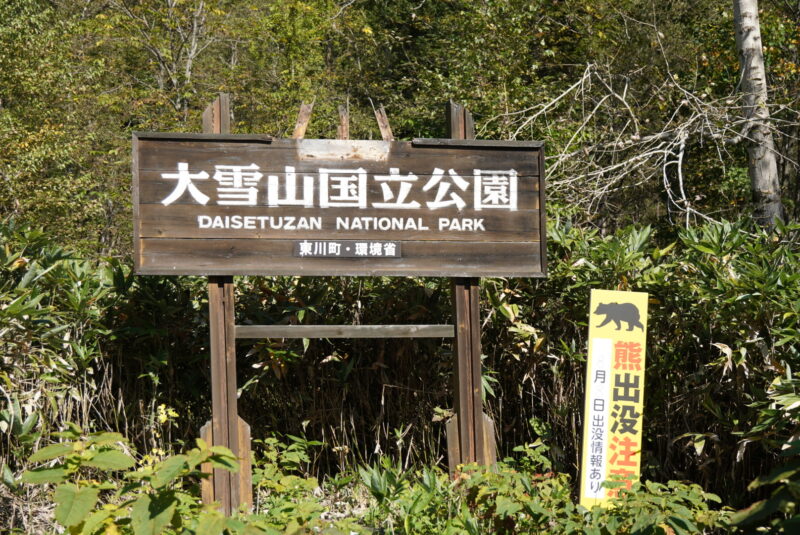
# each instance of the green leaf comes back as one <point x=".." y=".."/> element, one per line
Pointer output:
<point x="225" y="462"/>
<point x="111" y="460"/>
<point x="7" y="477"/>
<point x="506" y="507"/>
<point x="702" y="248"/>
<point x="73" y="432"/>
<point x="150" y="515"/>
<point x="51" y="452"/>
<point x="74" y="503"/>
<point x="167" y="470"/>
<point x="103" y="439"/>
<point x="195" y="457"/>
<point x="210" y="523"/>
<point x="39" y="476"/>
<point x="94" y="520"/>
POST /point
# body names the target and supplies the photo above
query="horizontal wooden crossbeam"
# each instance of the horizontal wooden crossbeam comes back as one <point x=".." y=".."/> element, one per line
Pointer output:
<point x="345" y="331"/>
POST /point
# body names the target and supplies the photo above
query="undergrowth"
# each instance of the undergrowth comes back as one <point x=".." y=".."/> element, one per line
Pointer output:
<point x="86" y="341"/>
<point x="98" y="489"/>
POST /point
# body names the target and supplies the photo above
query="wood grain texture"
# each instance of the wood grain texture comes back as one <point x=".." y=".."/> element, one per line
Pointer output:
<point x="275" y="257"/>
<point x="343" y="130"/>
<point x="227" y="489"/>
<point x="453" y="445"/>
<point x="254" y="222"/>
<point x="303" y="118"/>
<point x="207" y="483"/>
<point x="220" y="400"/>
<point x="272" y="155"/>
<point x="268" y="228"/>
<point x="245" y="474"/>
<point x="344" y="331"/>
<point x="383" y="123"/>
<point x="470" y="431"/>
<point x="245" y="466"/>
<point x="489" y="441"/>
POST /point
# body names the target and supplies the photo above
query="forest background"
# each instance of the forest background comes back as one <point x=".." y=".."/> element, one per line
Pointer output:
<point x="640" y="106"/>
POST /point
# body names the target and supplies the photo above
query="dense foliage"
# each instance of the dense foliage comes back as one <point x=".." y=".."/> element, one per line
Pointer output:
<point x="160" y="497"/>
<point x="637" y="104"/>
<point x="85" y="341"/>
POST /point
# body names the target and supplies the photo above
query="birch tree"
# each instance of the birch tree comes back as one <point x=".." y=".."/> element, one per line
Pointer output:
<point x="762" y="161"/>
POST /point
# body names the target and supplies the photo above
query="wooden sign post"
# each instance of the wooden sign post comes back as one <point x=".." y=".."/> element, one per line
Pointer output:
<point x="226" y="428"/>
<point x="466" y="435"/>
<point x="220" y="205"/>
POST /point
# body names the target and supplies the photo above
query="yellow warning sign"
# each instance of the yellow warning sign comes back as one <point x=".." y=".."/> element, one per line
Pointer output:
<point x="612" y="425"/>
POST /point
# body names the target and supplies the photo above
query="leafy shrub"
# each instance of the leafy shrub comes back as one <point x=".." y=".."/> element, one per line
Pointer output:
<point x="86" y="341"/>
<point x="98" y="491"/>
<point x="508" y="500"/>
<point x="92" y="496"/>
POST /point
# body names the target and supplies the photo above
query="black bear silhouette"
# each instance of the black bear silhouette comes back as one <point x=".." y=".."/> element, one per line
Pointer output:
<point x="619" y="312"/>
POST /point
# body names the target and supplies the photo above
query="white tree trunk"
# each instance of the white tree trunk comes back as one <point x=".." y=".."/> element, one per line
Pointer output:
<point x="762" y="162"/>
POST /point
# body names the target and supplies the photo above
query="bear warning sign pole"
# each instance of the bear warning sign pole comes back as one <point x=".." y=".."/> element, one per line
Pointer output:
<point x="470" y="433"/>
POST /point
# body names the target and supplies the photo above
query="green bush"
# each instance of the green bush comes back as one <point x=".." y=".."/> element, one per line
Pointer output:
<point x="98" y="491"/>
<point x="86" y="341"/>
<point x="509" y="500"/>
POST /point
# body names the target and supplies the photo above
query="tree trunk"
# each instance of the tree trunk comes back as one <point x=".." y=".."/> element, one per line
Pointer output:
<point x="762" y="161"/>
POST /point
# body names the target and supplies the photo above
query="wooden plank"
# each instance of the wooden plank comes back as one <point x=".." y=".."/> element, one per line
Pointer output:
<point x="344" y="331"/>
<point x="383" y="123"/>
<point x="467" y="347"/>
<point x="207" y="483"/>
<point x="224" y="416"/>
<point x="454" y="114"/>
<point x="515" y="145"/>
<point x="154" y="190"/>
<point x="137" y="216"/>
<point x="453" y="446"/>
<point x="475" y="368"/>
<point x="276" y="257"/>
<point x="309" y="155"/>
<point x="303" y="118"/>
<point x="178" y="220"/>
<point x="231" y="404"/>
<point x="197" y="213"/>
<point x="254" y="222"/>
<point x="222" y="109"/>
<point x="245" y="467"/>
<point x="473" y="143"/>
<point x="542" y="214"/>
<point x="343" y="130"/>
<point x="208" y="119"/>
<point x="463" y="367"/>
<point x="217" y="116"/>
<point x="489" y="441"/>
<point x="219" y="384"/>
<point x="469" y="125"/>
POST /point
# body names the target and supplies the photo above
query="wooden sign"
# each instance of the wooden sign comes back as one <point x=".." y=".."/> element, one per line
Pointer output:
<point x="213" y="204"/>
<point x="612" y="426"/>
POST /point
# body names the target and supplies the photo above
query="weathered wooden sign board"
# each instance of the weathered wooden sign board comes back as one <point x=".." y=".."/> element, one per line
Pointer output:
<point x="220" y="205"/>
<point x="217" y="204"/>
